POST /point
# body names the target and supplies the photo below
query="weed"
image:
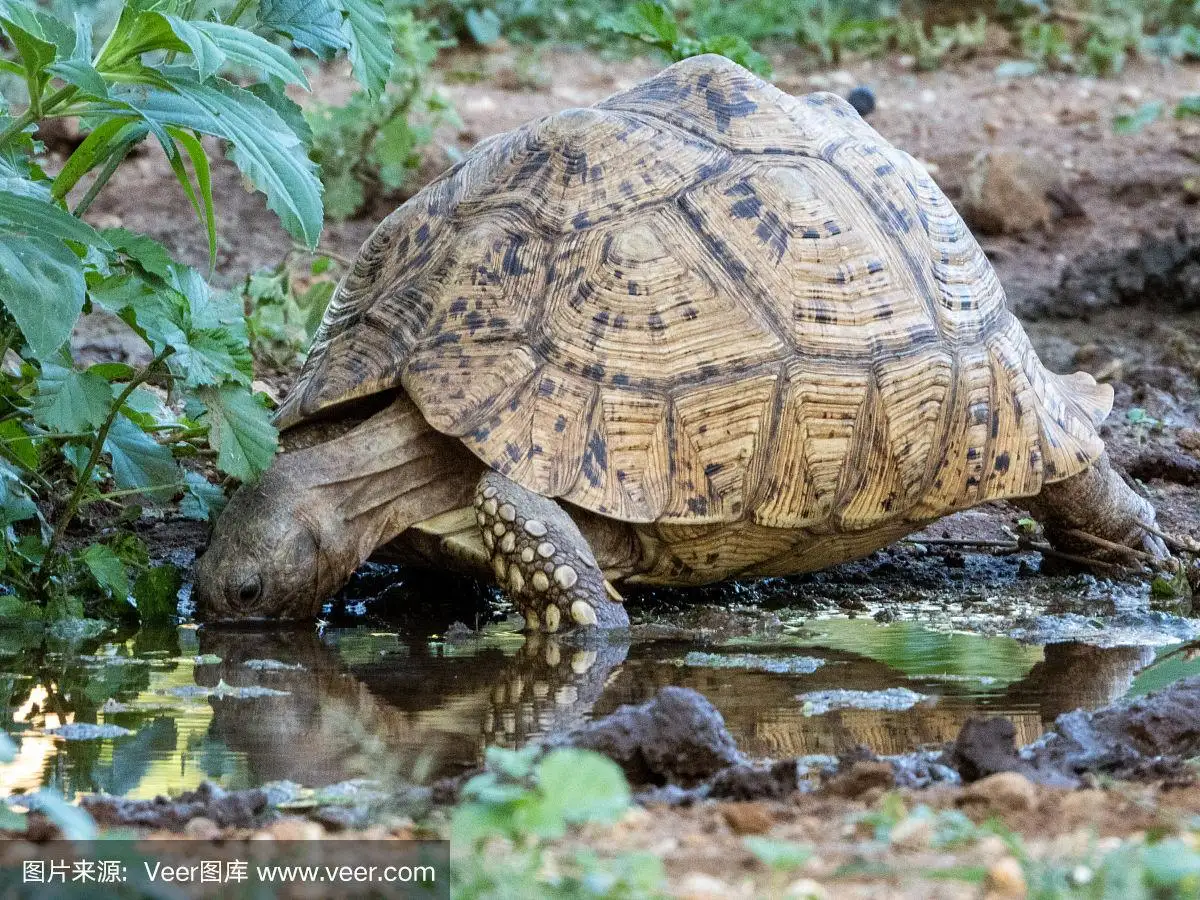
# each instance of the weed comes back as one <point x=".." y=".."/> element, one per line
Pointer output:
<point x="654" y="24"/>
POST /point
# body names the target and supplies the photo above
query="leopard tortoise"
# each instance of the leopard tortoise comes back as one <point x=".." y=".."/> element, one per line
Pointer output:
<point x="702" y="329"/>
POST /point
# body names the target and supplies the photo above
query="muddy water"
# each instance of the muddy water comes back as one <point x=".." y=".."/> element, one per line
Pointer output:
<point x="245" y="708"/>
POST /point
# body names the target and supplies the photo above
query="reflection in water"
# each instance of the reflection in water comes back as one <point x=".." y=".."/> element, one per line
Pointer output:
<point x="360" y="703"/>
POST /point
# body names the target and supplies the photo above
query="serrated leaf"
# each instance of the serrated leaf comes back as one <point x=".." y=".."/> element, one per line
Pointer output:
<point x="271" y="93"/>
<point x="220" y="42"/>
<point x="82" y="74"/>
<point x="145" y="251"/>
<point x="240" y="430"/>
<point x="156" y="593"/>
<point x="107" y="569"/>
<point x="17" y="445"/>
<point x="138" y="31"/>
<point x="20" y="214"/>
<point x="70" y="401"/>
<point x="315" y="25"/>
<point x="140" y="462"/>
<point x="42" y="286"/>
<point x="213" y="356"/>
<point x="370" y="37"/>
<point x="262" y="146"/>
<point x="203" y="500"/>
<point x="109" y="137"/>
<point x="158" y="314"/>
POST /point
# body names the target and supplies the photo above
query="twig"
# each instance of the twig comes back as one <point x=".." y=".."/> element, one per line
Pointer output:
<point x="957" y="542"/>
<point x="1171" y="541"/>
<point x="1047" y="550"/>
<point x="338" y="258"/>
<point x="1111" y="545"/>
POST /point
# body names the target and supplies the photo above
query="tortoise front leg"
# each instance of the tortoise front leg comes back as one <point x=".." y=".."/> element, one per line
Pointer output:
<point x="542" y="560"/>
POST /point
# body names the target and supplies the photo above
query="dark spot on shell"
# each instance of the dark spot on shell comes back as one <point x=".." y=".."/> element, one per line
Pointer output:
<point x="655" y="321"/>
<point x="458" y="307"/>
<point x="712" y="469"/>
<point x="560" y="424"/>
<point x="1001" y="464"/>
<point x="580" y="221"/>
<point x="620" y="380"/>
<point x="698" y="505"/>
<point x="513" y="451"/>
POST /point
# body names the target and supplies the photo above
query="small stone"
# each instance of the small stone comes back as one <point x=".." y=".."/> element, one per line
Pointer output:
<point x="566" y="695"/>
<point x="489" y="493"/>
<point x="541" y="582"/>
<point x="527" y="554"/>
<point x="499" y="528"/>
<point x="1003" y="792"/>
<point x="1006" y="878"/>
<point x="508" y="512"/>
<point x="545" y="549"/>
<point x="553" y="617"/>
<point x="508" y="543"/>
<point x="489" y="507"/>
<point x="535" y="528"/>
<point x="516" y="581"/>
<point x="702" y="886"/>
<point x="295" y="829"/>
<point x="747" y="818"/>
<point x="582" y="613"/>
<point x="583" y="660"/>
<point x="565" y="577"/>
<point x="202" y="829"/>
<point x="862" y="98"/>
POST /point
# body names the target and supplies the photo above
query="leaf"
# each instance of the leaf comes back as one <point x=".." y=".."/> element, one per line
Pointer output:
<point x="213" y="43"/>
<point x="263" y="147"/>
<point x="587" y="786"/>
<point x="145" y="251"/>
<point x="203" y="204"/>
<point x="213" y="356"/>
<point x="138" y="31"/>
<point x="42" y="286"/>
<point x="8" y="748"/>
<point x="315" y="25"/>
<point x="370" y="36"/>
<point x="203" y="500"/>
<point x="140" y="462"/>
<point x="108" y="570"/>
<point x="159" y="314"/>
<point x="781" y="856"/>
<point x="16" y="444"/>
<point x="20" y="214"/>
<point x="240" y="430"/>
<point x="36" y="54"/>
<point x="156" y="593"/>
<point x="271" y="93"/>
<point x="107" y="138"/>
<point x="1188" y="106"/>
<point x="82" y="74"/>
<point x="483" y="25"/>
<point x="1130" y="123"/>
<point x="74" y="823"/>
<point x="69" y="401"/>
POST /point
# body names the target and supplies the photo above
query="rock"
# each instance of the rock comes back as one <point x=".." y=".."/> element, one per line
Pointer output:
<point x="862" y="98"/>
<point x="202" y="829"/>
<point x="1167" y="464"/>
<point x="676" y="737"/>
<point x="806" y="889"/>
<point x="292" y="828"/>
<point x="233" y="809"/>
<point x="82" y="731"/>
<point x="1013" y="191"/>
<point x="747" y="818"/>
<point x="702" y="886"/>
<point x="984" y="747"/>
<point x="861" y="777"/>
<point x="774" y="781"/>
<point x="1006" y="792"/>
<point x="1006" y="879"/>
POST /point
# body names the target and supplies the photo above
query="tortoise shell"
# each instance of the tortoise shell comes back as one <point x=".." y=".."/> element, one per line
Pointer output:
<point x="701" y="301"/>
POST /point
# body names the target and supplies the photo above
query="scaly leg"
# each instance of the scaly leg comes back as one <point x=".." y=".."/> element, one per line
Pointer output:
<point x="542" y="561"/>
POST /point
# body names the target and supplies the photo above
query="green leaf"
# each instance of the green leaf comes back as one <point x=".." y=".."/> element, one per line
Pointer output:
<point x="108" y="570"/>
<point x="20" y="214"/>
<point x="271" y="93"/>
<point x="213" y="356"/>
<point x="15" y="505"/>
<point x="138" y="31"/>
<point x="107" y="138"/>
<point x="783" y="856"/>
<point x="41" y="284"/>
<point x="8" y="749"/>
<point x="145" y="251"/>
<point x="585" y="786"/>
<point x="140" y="462"/>
<point x="1130" y="123"/>
<point x="1188" y="106"/>
<point x="16" y="444"/>
<point x="263" y="147"/>
<point x="483" y="25"/>
<point x="156" y="593"/>
<point x="113" y="371"/>
<point x="203" y="500"/>
<point x="240" y="430"/>
<point x="82" y="74"/>
<point x="36" y="54"/>
<point x="204" y="203"/>
<point x="74" y="823"/>
<point x="315" y="25"/>
<point x="213" y="43"/>
<point x="371" y="51"/>
<point x="71" y="401"/>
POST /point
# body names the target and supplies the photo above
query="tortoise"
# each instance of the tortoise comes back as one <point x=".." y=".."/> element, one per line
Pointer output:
<point x="699" y="330"/>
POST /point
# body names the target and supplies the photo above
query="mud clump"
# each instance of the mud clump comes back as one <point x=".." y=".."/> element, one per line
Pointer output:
<point x="1160" y="271"/>
<point x="677" y="737"/>
<point x="228" y="809"/>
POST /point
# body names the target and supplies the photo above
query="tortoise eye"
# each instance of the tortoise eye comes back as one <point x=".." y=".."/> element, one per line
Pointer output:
<point x="250" y="589"/>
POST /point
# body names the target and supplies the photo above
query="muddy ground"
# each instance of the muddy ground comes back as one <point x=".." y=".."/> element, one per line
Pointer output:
<point x="1106" y="279"/>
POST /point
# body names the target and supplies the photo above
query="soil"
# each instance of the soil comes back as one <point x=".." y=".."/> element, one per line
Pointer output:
<point x="1113" y="291"/>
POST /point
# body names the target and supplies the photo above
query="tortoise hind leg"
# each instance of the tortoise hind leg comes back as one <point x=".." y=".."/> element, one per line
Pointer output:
<point x="542" y="560"/>
<point x="1098" y="502"/>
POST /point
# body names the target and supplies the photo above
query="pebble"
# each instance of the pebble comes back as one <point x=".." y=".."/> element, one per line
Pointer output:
<point x="1004" y="791"/>
<point x="202" y="829"/>
<point x="702" y="886"/>
<point x="747" y="818"/>
<point x="806" y="889"/>
<point x="1005" y="879"/>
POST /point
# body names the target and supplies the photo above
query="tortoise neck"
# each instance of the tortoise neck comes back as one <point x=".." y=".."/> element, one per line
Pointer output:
<point x="368" y="485"/>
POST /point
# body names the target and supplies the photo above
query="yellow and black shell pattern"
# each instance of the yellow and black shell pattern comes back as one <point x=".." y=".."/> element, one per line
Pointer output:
<point x="703" y="301"/>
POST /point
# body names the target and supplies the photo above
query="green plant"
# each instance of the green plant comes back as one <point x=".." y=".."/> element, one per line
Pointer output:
<point x="832" y="27"/>
<point x="78" y="441"/>
<point x="283" y="312"/>
<point x="501" y="832"/>
<point x="369" y="146"/>
<point x="930" y="49"/>
<point x="654" y="24"/>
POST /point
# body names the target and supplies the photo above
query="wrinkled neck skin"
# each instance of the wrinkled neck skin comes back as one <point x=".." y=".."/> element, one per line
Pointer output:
<point x="361" y="489"/>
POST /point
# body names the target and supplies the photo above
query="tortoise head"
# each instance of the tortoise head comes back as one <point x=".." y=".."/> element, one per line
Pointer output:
<point x="264" y="559"/>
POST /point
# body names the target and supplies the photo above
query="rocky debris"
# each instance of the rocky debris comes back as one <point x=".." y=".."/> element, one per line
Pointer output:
<point x="1004" y="791"/>
<point x="747" y="817"/>
<point x="862" y="777"/>
<point x="756" y="781"/>
<point x="817" y="703"/>
<point x="755" y="662"/>
<point x="676" y="737"/>
<point x="1167" y="464"/>
<point x="82" y="731"/>
<point x="1014" y="191"/>
<point x="226" y="809"/>
<point x="1162" y="270"/>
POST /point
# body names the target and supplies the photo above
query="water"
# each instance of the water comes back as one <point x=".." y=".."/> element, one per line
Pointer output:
<point x="244" y="707"/>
